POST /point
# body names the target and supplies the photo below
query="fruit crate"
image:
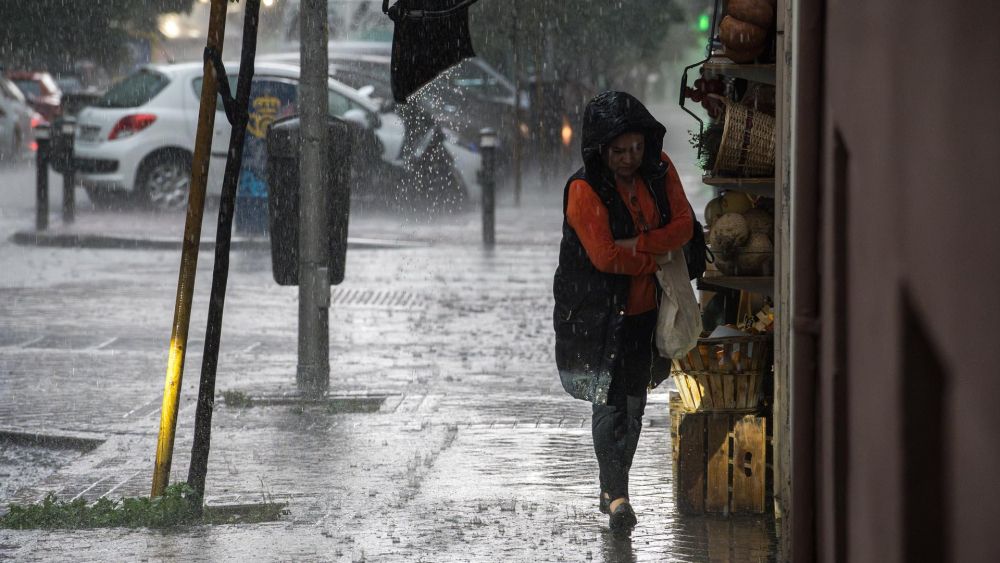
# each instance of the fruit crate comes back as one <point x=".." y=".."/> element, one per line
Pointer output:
<point x="724" y="374"/>
<point x="719" y="461"/>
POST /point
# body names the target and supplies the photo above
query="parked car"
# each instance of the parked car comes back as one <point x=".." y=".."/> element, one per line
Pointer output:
<point x="17" y="122"/>
<point x="41" y="91"/>
<point x="137" y="141"/>
<point x="76" y="96"/>
<point x="466" y="98"/>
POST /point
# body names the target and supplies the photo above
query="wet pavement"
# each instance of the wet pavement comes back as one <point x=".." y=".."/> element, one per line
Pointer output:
<point x="474" y="452"/>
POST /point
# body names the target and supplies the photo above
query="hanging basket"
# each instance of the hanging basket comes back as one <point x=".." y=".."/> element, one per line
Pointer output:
<point x="747" y="147"/>
<point x="724" y="374"/>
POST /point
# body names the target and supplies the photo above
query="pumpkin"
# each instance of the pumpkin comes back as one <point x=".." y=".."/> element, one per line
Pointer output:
<point x="757" y="12"/>
<point x="740" y="35"/>
<point x="741" y="57"/>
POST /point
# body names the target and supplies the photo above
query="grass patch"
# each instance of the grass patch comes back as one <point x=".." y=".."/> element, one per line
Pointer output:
<point x="237" y="399"/>
<point x="177" y="507"/>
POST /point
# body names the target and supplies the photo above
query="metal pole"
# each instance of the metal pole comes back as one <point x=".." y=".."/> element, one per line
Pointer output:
<point x="67" y="129"/>
<point x="313" y="373"/>
<point x="189" y="255"/>
<point x="538" y="108"/>
<point x="518" y="117"/>
<point x="198" y="469"/>
<point x="488" y="147"/>
<point x="42" y="178"/>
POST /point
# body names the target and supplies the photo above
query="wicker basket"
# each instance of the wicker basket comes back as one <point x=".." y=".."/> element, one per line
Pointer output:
<point x="724" y="374"/>
<point x="747" y="147"/>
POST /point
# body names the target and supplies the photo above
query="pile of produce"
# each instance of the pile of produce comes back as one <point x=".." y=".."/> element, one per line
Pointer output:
<point x="703" y="91"/>
<point x="745" y="28"/>
<point x="741" y="235"/>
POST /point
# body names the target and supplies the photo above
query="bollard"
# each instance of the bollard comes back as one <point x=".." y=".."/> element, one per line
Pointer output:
<point x="487" y="147"/>
<point x="67" y="129"/>
<point x="42" y="178"/>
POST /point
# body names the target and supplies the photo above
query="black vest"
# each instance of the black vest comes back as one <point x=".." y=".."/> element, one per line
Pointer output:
<point x="590" y="304"/>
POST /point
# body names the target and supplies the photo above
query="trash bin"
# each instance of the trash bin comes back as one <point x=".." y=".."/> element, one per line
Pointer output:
<point x="283" y="152"/>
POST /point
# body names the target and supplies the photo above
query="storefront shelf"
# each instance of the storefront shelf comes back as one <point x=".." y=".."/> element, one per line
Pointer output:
<point x="754" y="284"/>
<point x="753" y="186"/>
<point x="763" y="73"/>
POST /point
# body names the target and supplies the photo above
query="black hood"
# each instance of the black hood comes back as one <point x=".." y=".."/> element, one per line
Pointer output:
<point x="611" y="114"/>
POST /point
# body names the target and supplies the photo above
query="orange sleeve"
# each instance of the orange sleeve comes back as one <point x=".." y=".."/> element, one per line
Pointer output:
<point x="588" y="217"/>
<point x="678" y="231"/>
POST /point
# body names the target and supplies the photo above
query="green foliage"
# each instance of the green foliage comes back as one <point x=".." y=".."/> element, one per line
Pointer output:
<point x="52" y="34"/>
<point x="176" y="507"/>
<point x="590" y="44"/>
<point x="708" y="143"/>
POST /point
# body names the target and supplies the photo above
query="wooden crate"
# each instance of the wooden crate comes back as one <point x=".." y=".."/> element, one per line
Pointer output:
<point x="719" y="461"/>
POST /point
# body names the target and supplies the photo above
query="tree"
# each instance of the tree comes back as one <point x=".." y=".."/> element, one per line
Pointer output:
<point x="585" y="44"/>
<point x="53" y="34"/>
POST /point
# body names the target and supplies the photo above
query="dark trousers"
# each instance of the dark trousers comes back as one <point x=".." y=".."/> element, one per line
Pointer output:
<point x="616" y="425"/>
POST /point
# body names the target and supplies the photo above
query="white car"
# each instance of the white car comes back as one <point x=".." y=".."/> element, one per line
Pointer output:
<point x="138" y="140"/>
<point x="17" y="121"/>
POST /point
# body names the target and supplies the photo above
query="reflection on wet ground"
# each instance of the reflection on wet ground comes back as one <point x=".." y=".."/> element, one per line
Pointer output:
<point x="470" y="450"/>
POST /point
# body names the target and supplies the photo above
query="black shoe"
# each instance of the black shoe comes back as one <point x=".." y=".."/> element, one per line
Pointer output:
<point x="605" y="505"/>
<point x="622" y="519"/>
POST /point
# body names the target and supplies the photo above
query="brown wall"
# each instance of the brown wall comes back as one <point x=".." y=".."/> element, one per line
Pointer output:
<point x="908" y="391"/>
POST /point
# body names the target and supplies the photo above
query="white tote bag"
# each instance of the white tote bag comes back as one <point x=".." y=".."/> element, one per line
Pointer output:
<point x="678" y="324"/>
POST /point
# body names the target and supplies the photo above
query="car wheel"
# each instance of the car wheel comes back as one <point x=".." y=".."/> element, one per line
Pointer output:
<point x="164" y="181"/>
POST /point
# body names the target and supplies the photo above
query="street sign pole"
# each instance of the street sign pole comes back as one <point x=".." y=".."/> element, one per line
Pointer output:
<point x="313" y="373"/>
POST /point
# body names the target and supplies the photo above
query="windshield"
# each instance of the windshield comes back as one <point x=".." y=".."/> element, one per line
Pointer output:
<point x="135" y="90"/>
<point x="29" y="87"/>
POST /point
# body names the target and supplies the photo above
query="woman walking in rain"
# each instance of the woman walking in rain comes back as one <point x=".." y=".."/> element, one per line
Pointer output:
<point x="623" y="211"/>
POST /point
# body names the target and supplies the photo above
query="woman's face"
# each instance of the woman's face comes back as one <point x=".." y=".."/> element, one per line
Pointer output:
<point x="625" y="154"/>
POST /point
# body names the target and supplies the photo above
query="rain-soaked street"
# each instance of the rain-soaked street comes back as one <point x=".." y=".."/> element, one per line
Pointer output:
<point x="461" y="447"/>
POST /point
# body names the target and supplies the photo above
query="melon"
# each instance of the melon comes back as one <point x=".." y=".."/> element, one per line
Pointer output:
<point x="724" y="265"/>
<point x="759" y="221"/>
<point x="728" y="234"/>
<point x="713" y="210"/>
<point x="736" y="202"/>
<point x="756" y="256"/>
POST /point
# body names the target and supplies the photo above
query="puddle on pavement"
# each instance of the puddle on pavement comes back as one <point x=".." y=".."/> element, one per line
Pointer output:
<point x="27" y="459"/>
<point x="244" y="513"/>
<point x="329" y="405"/>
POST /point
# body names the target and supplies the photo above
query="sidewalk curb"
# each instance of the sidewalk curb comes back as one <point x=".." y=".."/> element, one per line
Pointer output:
<point x="84" y="442"/>
<point x="96" y="241"/>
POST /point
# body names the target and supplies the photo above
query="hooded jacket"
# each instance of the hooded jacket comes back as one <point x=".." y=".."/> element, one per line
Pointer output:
<point x="590" y="305"/>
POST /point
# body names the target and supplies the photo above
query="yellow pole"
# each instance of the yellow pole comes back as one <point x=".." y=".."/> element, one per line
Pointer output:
<point x="189" y="254"/>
